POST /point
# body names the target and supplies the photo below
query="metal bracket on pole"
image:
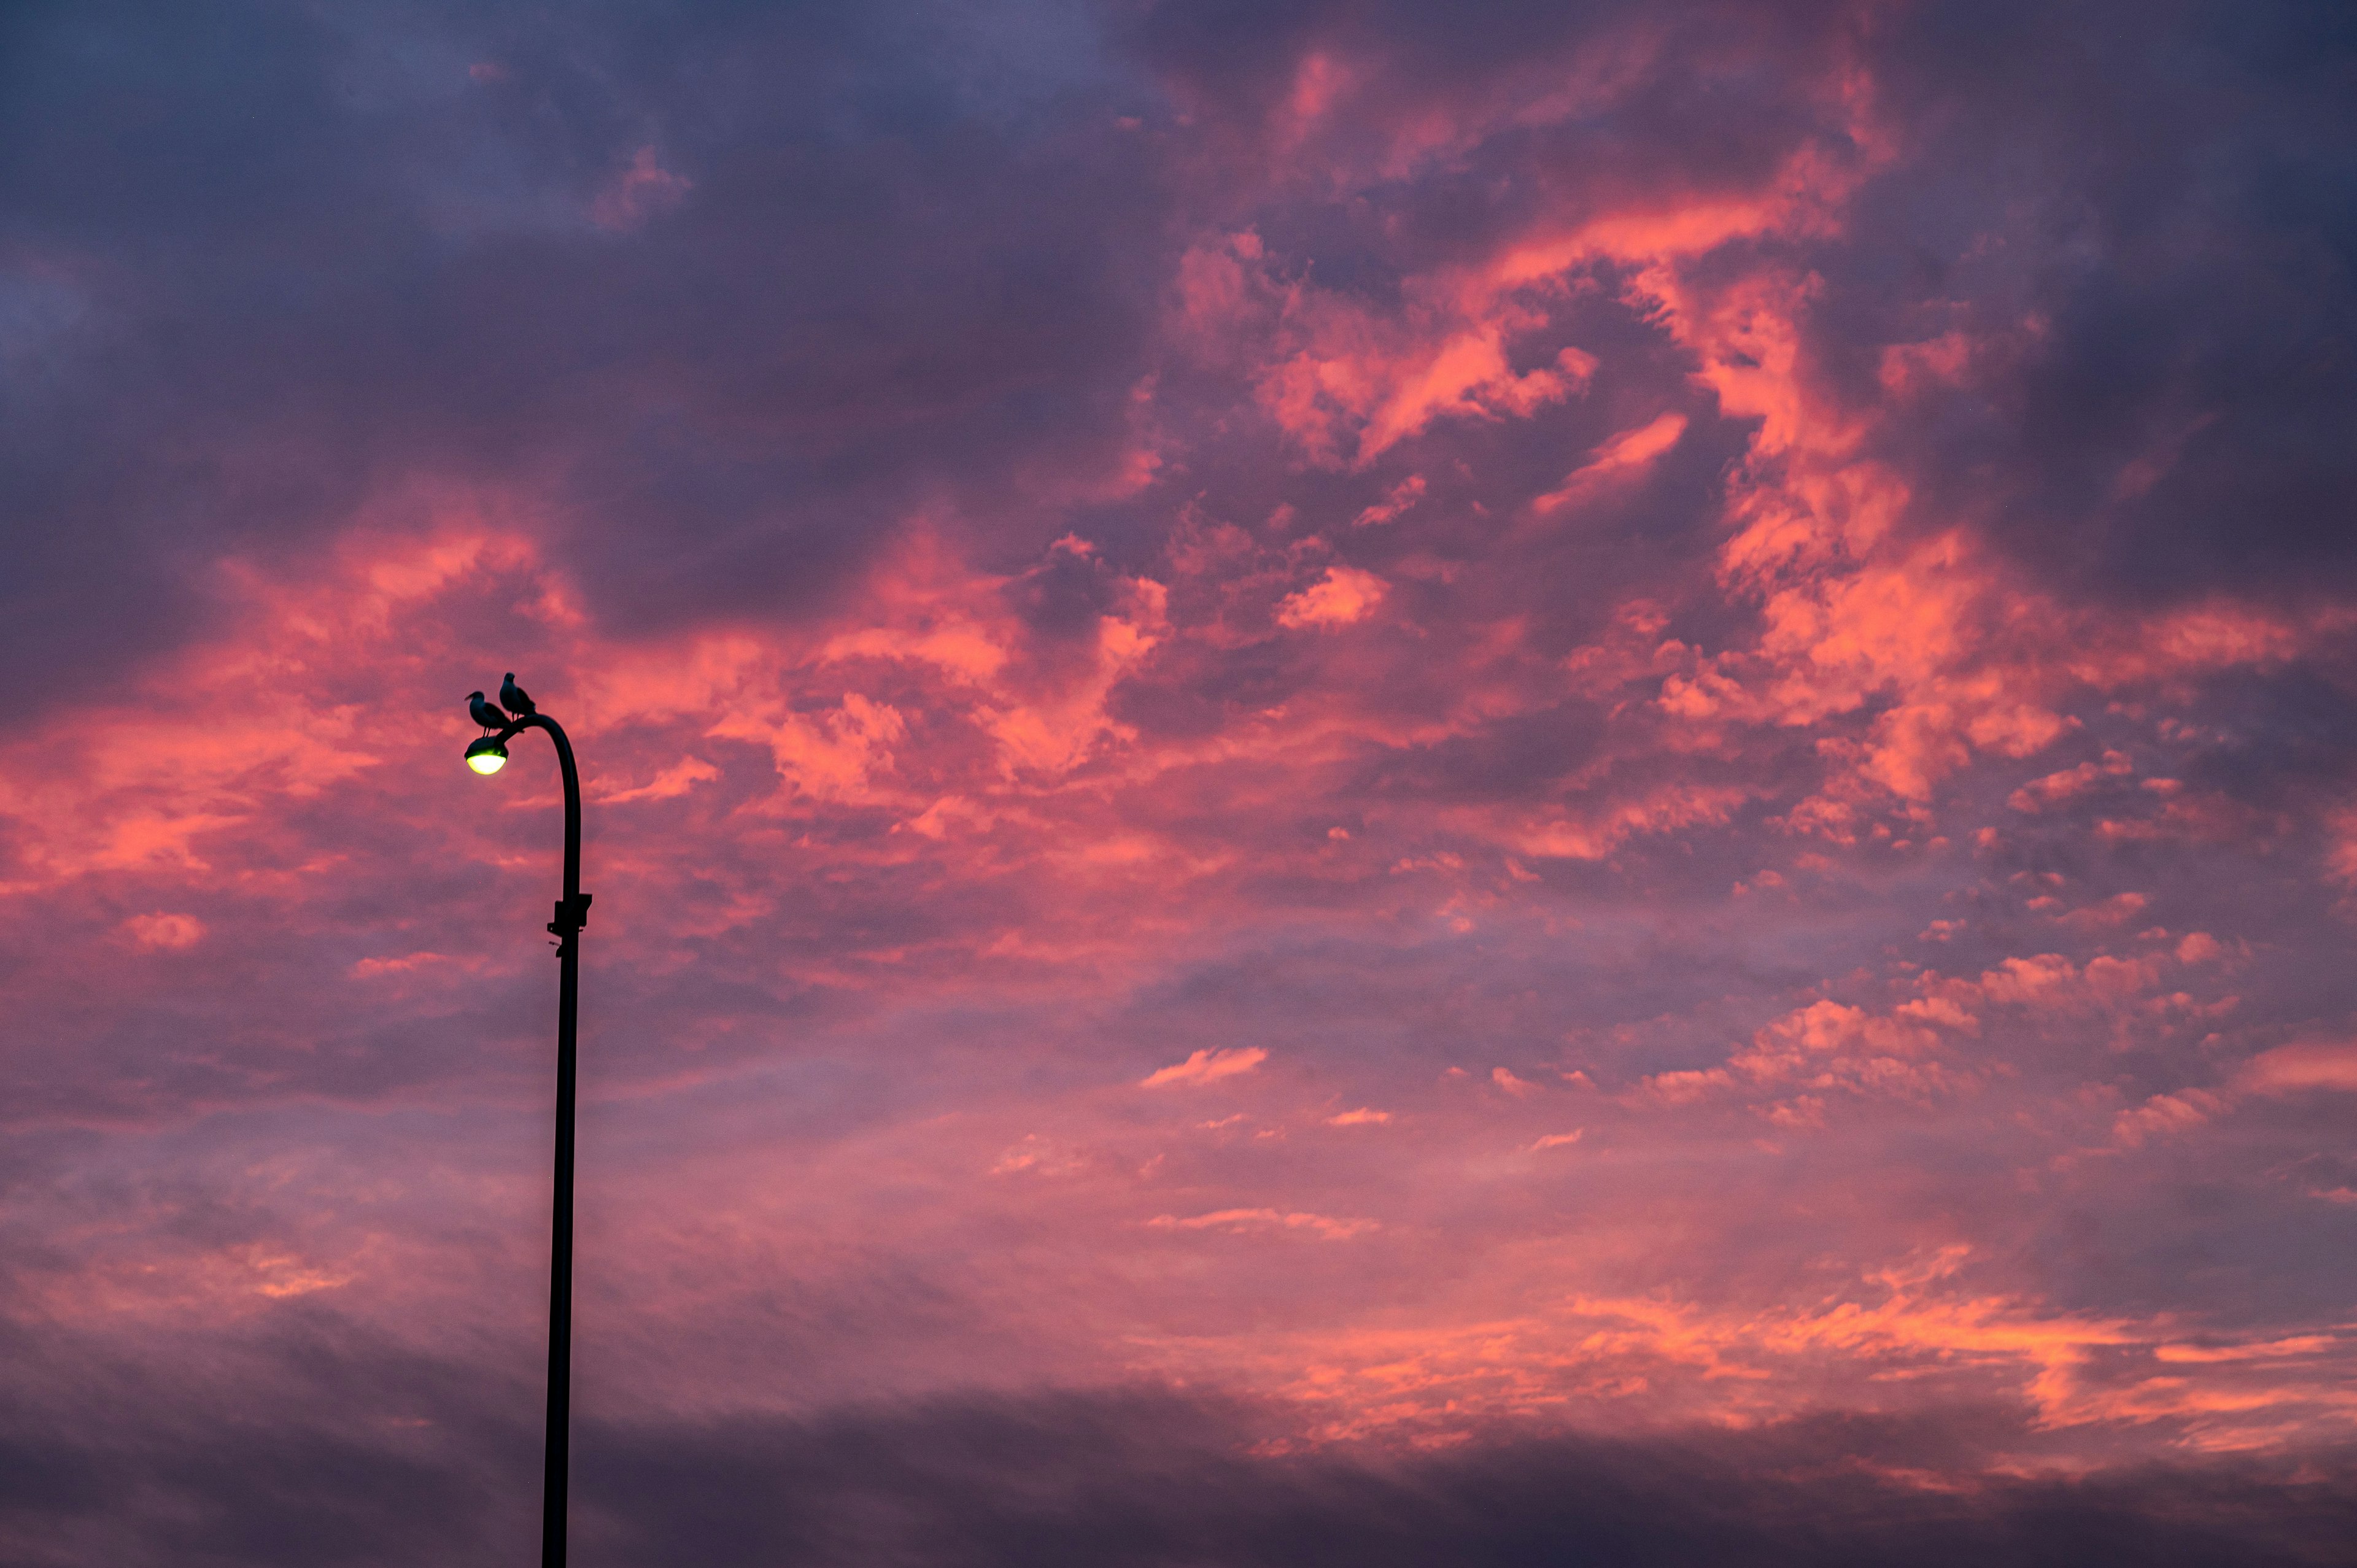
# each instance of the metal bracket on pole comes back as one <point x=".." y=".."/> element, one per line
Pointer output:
<point x="572" y="915"/>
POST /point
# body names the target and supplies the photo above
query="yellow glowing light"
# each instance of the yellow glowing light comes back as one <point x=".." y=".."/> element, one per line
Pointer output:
<point x="487" y="756"/>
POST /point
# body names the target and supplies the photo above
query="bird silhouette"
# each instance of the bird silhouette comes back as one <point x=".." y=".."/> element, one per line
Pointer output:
<point x="514" y="699"/>
<point x="484" y="714"/>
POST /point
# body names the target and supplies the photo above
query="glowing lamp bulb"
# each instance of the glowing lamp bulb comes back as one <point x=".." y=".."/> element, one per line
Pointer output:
<point x="487" y="756"/>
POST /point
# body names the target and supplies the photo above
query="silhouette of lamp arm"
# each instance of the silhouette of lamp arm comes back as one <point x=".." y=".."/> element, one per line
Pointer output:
<point x="488" y="755"/>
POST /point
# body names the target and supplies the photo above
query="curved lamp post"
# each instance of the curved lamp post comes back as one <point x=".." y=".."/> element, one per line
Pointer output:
<point x="488" y="755"/>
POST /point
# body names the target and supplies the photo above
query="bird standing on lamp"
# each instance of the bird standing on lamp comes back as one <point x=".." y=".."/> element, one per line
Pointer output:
<point x="488" y="755"/>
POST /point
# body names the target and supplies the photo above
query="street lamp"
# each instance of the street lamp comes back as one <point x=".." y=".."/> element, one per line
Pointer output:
<point x="488" y="755"/>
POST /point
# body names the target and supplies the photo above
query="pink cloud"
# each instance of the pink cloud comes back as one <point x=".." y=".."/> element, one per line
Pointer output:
<point x="1206" y="1066"/>
<point x="1625" y="452"/>
<point x="672" y="781"/>
<point x="1252" y="1219"/>
<point x="2166" y="1114"/>
<point x="637" y="193"/>
<point x="1361" y="1116"/>
<point x="2293" y="1068"/>
<point x="165" y="931"/>
<point x="1344" y="595"/>
<point x="1403" y="496"/>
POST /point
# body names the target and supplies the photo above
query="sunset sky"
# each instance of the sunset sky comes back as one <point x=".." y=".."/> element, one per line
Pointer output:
<point x="1367" y="782"/>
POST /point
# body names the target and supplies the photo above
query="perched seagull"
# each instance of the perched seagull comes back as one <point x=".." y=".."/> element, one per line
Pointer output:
<point x="514" y="699"/>
<point x="483" y="714"/>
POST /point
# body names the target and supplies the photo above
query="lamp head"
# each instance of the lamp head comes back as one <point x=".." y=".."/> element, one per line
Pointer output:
<point x="486" y="755"/>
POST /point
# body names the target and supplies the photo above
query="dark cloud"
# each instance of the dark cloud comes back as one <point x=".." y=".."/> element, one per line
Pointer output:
<point x="321" y="1450"/>
<point x="1149" y="1484"/>
<point x="259" y="268"/>
<point x="335" y="1452"/>
<point x="2158" y="214"/>
<point x="1394" y="60"/>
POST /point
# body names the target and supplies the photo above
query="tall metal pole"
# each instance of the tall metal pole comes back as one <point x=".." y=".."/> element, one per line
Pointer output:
<point x="571" y="914"/>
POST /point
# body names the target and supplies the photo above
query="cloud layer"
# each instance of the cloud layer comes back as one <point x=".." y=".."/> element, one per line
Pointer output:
<point x="1341" y="759"/>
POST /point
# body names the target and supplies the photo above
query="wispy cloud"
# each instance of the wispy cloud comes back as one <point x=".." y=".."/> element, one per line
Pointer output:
<point x="1206" y="1066"/>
